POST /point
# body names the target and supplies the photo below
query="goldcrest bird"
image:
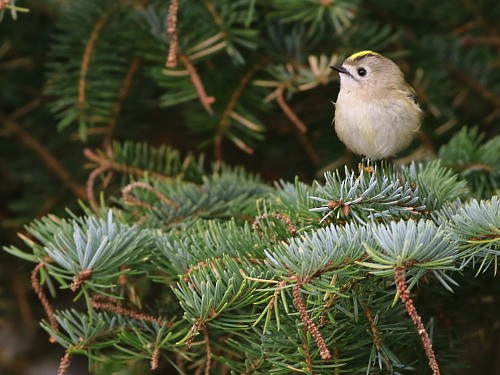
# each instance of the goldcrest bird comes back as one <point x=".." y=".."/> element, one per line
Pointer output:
<point x="376" y="113"/>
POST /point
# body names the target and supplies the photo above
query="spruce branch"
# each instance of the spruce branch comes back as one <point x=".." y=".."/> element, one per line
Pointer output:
<point x="52" y="163"/>
<point x="404" y="295"/>
<point x="229" y="112"/>
<point x="122" y="95"/>
<point x="208" y="350"/>
<point x="49" y="310"/>
<point x="205" y="100"/>
<point x="131" y="200"/>
<point x="106" y="304"/>
<point x="310" y="325"/>
<point x="87" y="55"/>
<point x="299" y="126"/>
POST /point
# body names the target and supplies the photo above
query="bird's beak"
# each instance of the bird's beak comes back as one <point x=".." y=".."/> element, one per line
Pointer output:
<point x="340" y="69"/>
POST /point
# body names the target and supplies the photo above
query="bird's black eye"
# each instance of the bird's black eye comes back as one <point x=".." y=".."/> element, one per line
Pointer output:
<point x="361" y="72"/>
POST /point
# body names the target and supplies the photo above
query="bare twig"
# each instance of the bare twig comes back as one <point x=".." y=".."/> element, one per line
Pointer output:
<point x="129" y="199"/>
<point x="311" y="327"/>
<point x="205" y="100"/>
<point x="79" y="279"/>
<point x="122" y="95"/>
<point x="208" y="350"/>
<point x="52" y="163"/>
<point x="299" y="126"/>
<point x="404" y="295"/>
<point x="107" y="304"/>
<point x="172" y="34"/>
<point x="49" y="310"/>
<point x="65" y="362"/>
<point x="87" y="55"/>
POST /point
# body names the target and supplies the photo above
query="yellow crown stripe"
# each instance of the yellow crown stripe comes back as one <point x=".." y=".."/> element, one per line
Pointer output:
<point x="362" y="54"/>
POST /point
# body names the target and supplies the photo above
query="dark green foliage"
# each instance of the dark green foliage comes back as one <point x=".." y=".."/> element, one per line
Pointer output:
<point x="186" y="263"/>
<point x="229" y="288"/>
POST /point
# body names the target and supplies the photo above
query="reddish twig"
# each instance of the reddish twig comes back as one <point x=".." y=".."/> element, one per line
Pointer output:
<point x="49" y="310"/>
<point x="79" y="279"/>
<point x="172" y="34"/>
<point x="205" y="100"/>
<point x="299" y="126"/>
<point x="155" y="358"/>
<point x="106" y="165"/>
<point x="208" y="350"/>
<point x="122" y="94"/>
<point x="231" y="104"/>
<point x="38" y="148"/>
<point x="404" y="295"/>
<point x="131" y="200"/>
<point x="87" y="55"/>
<point x="311" y="327"/>
<point x="377" y="340"/>
<point x="65" y="362"/>
<point x="308" y="358"/>
<point x="106" y="304"/>
<point x="197" y="326"/>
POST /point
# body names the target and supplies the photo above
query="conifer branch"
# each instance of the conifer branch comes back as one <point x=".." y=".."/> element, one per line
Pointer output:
<point x="107" y="304"/>
<point x="172" y="34"/>
<point x="285" y="219"/>
<point x="130" y="200"/>
<point x="228" y="111"/>
<point x="377" y="340"/>
<point x="208" y="350"/>
<point x="205" y="100"/>
<point x="474" y="85"/>
<point x="309" y="324"/>
<point x="49" y="310"/>
<point x="307" y="352"/>
<point x="404" y="295"/>
<point x="299" y="126"/>
<point x="79" y="279"/>
<point x="38" y="148"/>
<point x="122" y="95"/>
<point x="87" y="55"/>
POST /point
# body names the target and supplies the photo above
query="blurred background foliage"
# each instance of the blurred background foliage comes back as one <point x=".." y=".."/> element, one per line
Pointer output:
<point x="251" y="86"/>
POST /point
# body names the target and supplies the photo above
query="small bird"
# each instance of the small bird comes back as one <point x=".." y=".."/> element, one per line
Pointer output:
<point x="376" y="113"/>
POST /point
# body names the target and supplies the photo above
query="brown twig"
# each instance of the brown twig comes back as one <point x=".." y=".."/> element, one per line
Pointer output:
<point x="474" y="85"/>
<point x="79" y="279"/>
<point x="107" y="304"/>
<point x="197" y="326"/>
<point x="37" y="147"/>
<point x="87" y="55"/>
<point x="155" y="358"/>
<point x="49" y="310"/>
<point x="122" y="95"/>
<point x="65" y="362"/>
<point x="231" y="104"/>
<point x="107" y="165"/>
<point x="299" y="126"/>
<point x="491" y="40"/>
<point x="131" y="200"/>
<point x="281" y="217"/>
<point x="310" y="367"/>
<point x="205" y="100"/>
<point x="311" y="327"/>
<point x="377" y="340"/>
<point x="208" y="350"/>
<point x="404" y="295"/>
<point x="172" y="34"/>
